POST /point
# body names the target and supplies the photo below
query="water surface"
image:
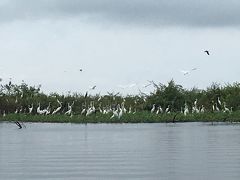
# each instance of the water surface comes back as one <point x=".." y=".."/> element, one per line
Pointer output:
<point x="181" y="151"/>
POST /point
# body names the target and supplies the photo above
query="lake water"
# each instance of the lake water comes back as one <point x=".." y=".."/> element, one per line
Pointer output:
<point x="181" y="151"/>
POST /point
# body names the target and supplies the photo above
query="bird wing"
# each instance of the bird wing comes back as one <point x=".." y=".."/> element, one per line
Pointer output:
<point x="184" y="72"/>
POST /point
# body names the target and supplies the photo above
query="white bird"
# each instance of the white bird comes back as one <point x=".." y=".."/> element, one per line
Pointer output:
<point x="39" y="111"/>
<point x="120" y="113"/>
<point x="83" y="111"/>
<point x="219" y="102"/>
<point x="186" y="111"/>
<point x="115" y="114"/>
<point x="225" y="108"/>
<point x="30" y="108"/>
<point x="185" y="72"/>
<point x="195" y="103"/>
<point x="158" y="110"/>
<point x="217" y="109"/>
<point x="69" y="112"/>
<point x="213" y="107"/>
<point x="99" y="99"/>
<point x="91" y="109"/>
<point x="21" y="95"/>
<point x="202" y="109"/>
<point x="58" y="108"/>
<point x="4" y="114"/>
<point x="153" y="108"/>
<point x="130" y="110"/>
<point x="167" y="109"/>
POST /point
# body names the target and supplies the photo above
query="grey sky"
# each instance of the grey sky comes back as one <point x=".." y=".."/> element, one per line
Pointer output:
<point x="142" y="12"/>
<point x="118" y="43"/>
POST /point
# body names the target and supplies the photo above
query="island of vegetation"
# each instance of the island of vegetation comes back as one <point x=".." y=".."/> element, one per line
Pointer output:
<point x="167" y="103"/>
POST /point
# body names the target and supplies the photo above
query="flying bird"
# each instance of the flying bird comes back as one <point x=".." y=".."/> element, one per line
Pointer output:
<point x="93" y="87"/>
<point x="207" y="52"/>
<point x="18" y="124"/>
<point x="185" y="72"/>
<point x="146" y="85"/>
<point x="80" y="70"/>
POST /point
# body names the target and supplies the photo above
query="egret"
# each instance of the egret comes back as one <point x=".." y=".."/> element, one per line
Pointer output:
<point x="153" y="108"/>
<point x="186" y="111"/>
<point x="217" y="109"/>
<point x="69" y="112"/>
<point x="58" y="108"/>
<point x="219" y="102"/>
<point x="225" y="108"/>
<point x="202" y="109"/>
<point x="185" y="72"/>
<point x="120" y="113"/>
<point x="30" y="108"/>
<point x="195" y="102"/>
<point x="115" y="114"/>
<point x="167" y="110"/>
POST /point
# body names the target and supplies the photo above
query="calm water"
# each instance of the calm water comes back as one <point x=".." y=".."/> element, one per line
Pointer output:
<point x="120" y="151"/>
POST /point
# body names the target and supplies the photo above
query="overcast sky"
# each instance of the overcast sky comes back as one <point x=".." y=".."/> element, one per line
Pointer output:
<point x="119" y="43"/>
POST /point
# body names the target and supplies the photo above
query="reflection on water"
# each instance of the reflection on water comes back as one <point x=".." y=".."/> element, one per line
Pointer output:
<point x="120" y="151"/>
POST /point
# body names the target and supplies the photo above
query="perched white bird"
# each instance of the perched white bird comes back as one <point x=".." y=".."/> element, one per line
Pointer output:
<point x="83" y="111"/>
<point x="30" y="108"/>
<point x="115" y="114"/>
<point x="159" y="110"/>
<point x="167" y="110"/>
<point x="120" y="113"/>
<point x="219" y="102"/>
<point x="58" y="108"/>
<point x="186" y="111"/>
<point x="69" y="112"/>
<point x="153" y="108"/>
<point x="195" y="103"/>
<point x="202" y="109"/>
<point x="225" y="108"/>
<point x="217" y="109"/>
<point x="39" y="111"/>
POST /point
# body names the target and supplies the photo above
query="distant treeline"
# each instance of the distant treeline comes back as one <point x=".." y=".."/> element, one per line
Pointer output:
<point x="21" y="97"/>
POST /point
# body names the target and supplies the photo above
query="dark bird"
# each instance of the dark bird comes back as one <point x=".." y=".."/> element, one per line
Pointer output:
<point x="80" y="70"/>
<point x="93" y="87"/>
<point x="18" y="124"/>
<point x="207" y="52"/>
<point x="86" y="95"/>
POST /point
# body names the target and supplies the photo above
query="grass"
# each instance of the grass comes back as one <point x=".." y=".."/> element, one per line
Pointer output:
<point x="140" y="117"/>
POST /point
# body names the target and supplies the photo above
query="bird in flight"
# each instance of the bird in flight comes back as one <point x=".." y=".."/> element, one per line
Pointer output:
<point x="80" y="70"/>
<point x="185" y="72"/>
<point x="207" y="52"/>
<point x="93" y="87"/>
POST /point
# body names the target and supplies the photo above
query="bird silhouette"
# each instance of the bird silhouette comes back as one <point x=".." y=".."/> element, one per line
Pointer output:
<point x="207" y="52"/>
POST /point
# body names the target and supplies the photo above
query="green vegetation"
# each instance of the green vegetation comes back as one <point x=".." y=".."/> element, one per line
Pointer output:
<point x="140" y="117"/>
<point x="15" y="101"/>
